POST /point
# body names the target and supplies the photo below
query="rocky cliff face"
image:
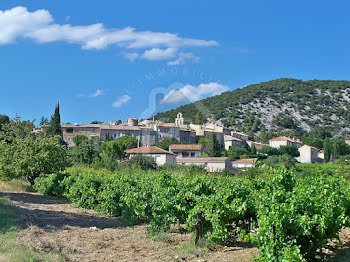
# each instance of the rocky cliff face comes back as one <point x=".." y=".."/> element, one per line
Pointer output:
<point x="282" y="104"/>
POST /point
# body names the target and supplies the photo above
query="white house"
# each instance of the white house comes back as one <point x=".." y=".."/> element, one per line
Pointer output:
<point x="211" y="164"/>
<point x="186" y="150"/>
<point x="284" y="141"/>
<point x="308" y="154"/>
<point x="160" y="156"/>
<point x="244" y="163"/>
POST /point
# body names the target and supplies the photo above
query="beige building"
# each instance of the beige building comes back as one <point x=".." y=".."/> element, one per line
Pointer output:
<point x="308" y="154"/>
<point x="244" y="163"/>
<point x="232" y="141"/>
<point x="160" y="156"/>
<point x="211" y="164"/>
<point x="284" y="141"/>
<point x="183" y="150"/>
<point x="145" y="135"/>
<point x="69" y="131"/>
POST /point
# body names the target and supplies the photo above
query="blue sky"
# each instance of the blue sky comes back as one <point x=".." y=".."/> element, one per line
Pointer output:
<point x="107" y="60"/>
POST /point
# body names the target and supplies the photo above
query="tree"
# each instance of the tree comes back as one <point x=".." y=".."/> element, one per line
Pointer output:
<point x="55" y="123"/>
<point x="289" y="150"/>
<point x="270" y="151"/>
<point x="79" y="138"/>
<point x="263" y="137"/>
<point x="211" y="145"/>
<point x="143" y="162"/>
<point x="4" y="119"/>
<point x="127" y="142"/>
<point x="85" y="151"/>
<point x="339" y="148"/>
<point x="236" y="152"/>
<point x="197" y="119"/>
<point x="31" y="157"/>
<point x="285" y="160"/>
<point x="253" y="149"/>
<point x="16" y="129"/>
<point x="96" y="122"/>
<point x="44" y="121"/>
<point x="327" y="147"/>
<point x="166" y="142"/>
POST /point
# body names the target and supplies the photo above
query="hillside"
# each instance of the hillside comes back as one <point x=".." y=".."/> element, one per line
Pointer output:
<point x="282" y="104"/>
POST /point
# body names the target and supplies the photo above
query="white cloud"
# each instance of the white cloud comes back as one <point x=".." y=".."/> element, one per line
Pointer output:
<point x="183" y="57"/>
<point x="18" y="22"/>
<point x="122" y="100"/>
<point x="191" y="93"/>
<point x="159" y="54"/>
<point x="131" y="56"/>
<point x="97" y="93"/>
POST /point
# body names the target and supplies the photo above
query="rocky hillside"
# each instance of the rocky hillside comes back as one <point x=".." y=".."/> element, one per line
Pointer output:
<point x="282" y="104"/>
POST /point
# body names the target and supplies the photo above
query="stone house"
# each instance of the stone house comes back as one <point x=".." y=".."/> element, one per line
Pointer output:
<point x="308" y="154"/>
<point x="160" y="156"/>
<point x="232" y="141"/>
<point x="182" y="150"/>
<point x="284" y="141"/>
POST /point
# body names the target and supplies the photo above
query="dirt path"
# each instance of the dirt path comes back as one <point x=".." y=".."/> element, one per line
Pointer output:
<point x="52" y="225"/>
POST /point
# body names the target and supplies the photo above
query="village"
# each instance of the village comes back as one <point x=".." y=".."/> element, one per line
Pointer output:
<point x="188" y="151"/>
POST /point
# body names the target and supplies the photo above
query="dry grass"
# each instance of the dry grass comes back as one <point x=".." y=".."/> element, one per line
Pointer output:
<point x="15" y="185"/>
<point x="10" y="250"/>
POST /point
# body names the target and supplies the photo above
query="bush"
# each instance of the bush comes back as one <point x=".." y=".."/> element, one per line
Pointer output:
<point x="50" y="184"/>
<point x="143" y="162"/>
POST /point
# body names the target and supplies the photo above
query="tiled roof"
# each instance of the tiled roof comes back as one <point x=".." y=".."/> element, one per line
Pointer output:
<point x="186" y="147"/>
<point x="166" y="125"/>
<point x="245" y="161"/>
<point x="201" y="159"/>
<point x="311" y="147"/>
<point x="80" y="126"/>
<point x="283" y="138"/>
<point x="120" y="127"/>
<point x="147" y="150"/>
<point x="230" y="138"/>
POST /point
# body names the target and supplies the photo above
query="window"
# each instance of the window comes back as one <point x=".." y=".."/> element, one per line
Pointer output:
<point x="69" y="130"/>
<point x="193" y="154"/>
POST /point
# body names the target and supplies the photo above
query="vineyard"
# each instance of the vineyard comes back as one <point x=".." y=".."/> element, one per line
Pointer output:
<point x="289" y="218"/>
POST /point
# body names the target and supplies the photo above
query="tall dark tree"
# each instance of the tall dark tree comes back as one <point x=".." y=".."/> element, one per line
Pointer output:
<point x="327" y="150"/>
<point x="211" y="145"/>
<point x="55" y="123"/>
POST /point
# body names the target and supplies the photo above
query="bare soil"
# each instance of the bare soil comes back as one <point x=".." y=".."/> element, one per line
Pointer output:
<point x="53" y="226"/>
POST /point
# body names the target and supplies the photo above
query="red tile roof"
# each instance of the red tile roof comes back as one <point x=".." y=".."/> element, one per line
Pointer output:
<point x="194" y="147"/>
<point x="147" y="150"/>
<point x="311" y="147"/>
<point x="245" y="161"/>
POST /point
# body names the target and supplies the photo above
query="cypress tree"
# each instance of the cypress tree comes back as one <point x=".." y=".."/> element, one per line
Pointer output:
<point x="55" y="123"/>
<point x="327" y="146"/>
